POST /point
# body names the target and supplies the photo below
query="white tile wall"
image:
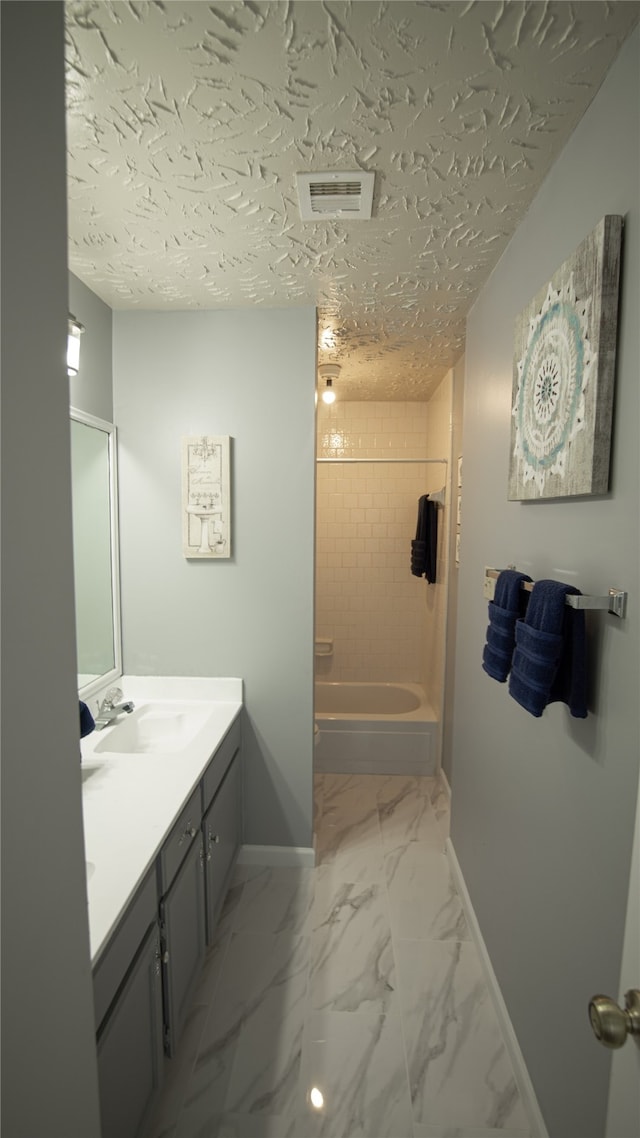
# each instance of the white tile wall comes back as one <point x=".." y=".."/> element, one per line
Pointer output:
<point x="366" y="599"/>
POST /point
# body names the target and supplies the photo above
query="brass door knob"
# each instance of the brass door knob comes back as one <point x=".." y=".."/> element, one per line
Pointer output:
<point x="611" y="1024"/>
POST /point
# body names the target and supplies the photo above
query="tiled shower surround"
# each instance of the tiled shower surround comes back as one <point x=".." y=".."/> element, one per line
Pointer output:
<point x="384" y="623"/>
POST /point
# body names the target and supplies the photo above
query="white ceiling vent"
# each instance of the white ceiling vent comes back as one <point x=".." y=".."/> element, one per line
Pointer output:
<point x="343" y="194"/>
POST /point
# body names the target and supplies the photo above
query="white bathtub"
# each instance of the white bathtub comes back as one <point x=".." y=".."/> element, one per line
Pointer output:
<point x="375" y="728"/>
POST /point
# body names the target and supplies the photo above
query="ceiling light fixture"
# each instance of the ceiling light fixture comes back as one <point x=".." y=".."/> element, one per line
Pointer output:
<point x="74" y="332"/>
<point x="328" y="372"/>
<point x="328" y="395"/>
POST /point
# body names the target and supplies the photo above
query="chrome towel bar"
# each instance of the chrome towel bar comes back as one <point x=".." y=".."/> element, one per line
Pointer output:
<point x="614" y="602"/>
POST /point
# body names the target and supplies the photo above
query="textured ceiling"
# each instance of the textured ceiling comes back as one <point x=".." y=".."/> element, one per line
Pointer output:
<point x="188" y="121"/>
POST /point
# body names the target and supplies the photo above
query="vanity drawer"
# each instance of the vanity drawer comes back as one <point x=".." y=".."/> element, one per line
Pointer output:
<point x="112" y="967"/>
<point x="220" y="764"/>
<point x="179" y="840"/>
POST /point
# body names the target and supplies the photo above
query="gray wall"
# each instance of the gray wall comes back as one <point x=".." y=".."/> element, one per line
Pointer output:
<point x="91" y="389"/>
<point x="251" y="375"/>
<point x="49" y="1078"/>
<point x="543" y="808"/>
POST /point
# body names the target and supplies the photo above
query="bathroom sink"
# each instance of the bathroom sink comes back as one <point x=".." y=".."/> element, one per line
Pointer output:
<point x="155" y="727"/>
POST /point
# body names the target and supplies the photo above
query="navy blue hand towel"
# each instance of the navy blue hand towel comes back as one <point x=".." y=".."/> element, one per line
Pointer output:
<point x="508" y="605"/>
<point x="549" y="662"/>
<point x="87" y="724"/>
<point x="424" y="546"/>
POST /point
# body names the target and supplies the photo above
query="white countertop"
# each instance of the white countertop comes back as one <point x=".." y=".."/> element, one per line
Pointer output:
<point x="130" y="801"/>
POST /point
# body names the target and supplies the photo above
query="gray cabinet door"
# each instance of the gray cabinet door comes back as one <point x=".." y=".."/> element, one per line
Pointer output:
<point x="182" y="917"/>
<point x="130" y="1054"/>
<point x="222" y="835"/>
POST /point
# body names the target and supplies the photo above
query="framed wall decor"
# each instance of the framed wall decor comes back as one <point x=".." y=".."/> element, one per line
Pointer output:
<point x="563" y="375"/>
<point x="206" y="500"/>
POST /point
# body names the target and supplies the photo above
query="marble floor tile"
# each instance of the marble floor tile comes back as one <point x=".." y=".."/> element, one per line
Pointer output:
<point x="459" y="1071"/>
<point x="276" y="900"/>
<point x="357" y="1063"/>
<point x="354" y="848"/>
<point x="260" y="1126"/>
<point x="358" y="978"/>
<point x="353" y="795"/>
<point x="352" y="964"/>
<point x="406" y="814"/>
<point x="349" y="836"/>
<point x="177" y="1076"/>
<point x="215" y="954"/>
<point x="249" y="1056"/>
<point x="441" y="804"/>
<point x="211" y="969"/>
<point x="466" y="1132"/>
<point x="423" y="901"/>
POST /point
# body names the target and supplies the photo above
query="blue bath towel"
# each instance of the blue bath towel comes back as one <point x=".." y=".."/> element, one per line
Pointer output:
<point x="86" y="720"/>
<point x="549" y="662"/>
<point x="424" y="546"/>
<point x="508" y="604"/>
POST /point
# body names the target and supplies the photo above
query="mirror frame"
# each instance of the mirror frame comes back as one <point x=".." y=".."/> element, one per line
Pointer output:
<point x="110" y="430"/>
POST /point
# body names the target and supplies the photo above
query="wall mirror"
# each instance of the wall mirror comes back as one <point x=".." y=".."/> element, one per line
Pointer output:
<point x="95" y="550"/>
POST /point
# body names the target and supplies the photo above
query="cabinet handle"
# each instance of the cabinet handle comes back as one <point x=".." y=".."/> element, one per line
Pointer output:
<point x="190" y="832"/>
<point x="165" y="957"/>
<point x="215" y="838"/>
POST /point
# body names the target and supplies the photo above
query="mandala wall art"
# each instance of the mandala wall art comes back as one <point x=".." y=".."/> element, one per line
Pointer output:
<point x="206" y="504"/>
<point x="563" y="375"/>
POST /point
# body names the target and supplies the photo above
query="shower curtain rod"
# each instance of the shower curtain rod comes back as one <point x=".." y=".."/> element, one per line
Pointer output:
<point x="423" y="460"/>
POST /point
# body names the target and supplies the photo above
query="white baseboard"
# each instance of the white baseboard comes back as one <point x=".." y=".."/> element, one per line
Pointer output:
<point x="295" y="856"/>
<point x="522" y="1077"/>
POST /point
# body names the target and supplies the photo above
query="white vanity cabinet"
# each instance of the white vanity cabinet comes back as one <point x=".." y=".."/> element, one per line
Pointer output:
<point x="128" y="1010"/>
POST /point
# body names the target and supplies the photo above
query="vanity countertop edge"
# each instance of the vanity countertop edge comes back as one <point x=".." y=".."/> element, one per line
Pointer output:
<point x="131" y="801"/>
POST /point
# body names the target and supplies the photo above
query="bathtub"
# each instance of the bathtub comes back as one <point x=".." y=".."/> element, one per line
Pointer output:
<point x="375" y="728"/>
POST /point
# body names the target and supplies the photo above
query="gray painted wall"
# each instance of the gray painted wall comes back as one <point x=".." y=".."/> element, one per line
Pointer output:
<point x="49" y="1078"/>
<point x="249" y="374"/>
<point x="543" y="809"/>
<point x="91" y="390"/>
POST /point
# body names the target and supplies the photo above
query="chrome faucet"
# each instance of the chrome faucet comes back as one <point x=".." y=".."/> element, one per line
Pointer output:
<point x="110" y="708"/>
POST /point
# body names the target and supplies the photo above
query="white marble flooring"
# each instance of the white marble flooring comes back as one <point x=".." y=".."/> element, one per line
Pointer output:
<point x="358" y="980"/>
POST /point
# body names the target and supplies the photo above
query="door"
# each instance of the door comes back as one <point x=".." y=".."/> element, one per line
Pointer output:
<point x="623" y="1116"/>
<point x="183" y="935"/>
<point x="221" y="840"/>
<point x="130" y="1054"/>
